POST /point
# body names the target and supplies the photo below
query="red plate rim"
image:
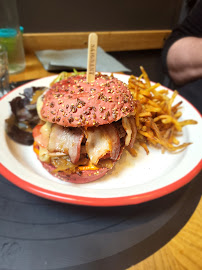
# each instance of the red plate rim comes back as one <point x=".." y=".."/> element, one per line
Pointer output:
<point x="105" y="202"/>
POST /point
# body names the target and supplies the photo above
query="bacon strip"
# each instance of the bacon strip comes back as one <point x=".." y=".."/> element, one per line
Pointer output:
<point x="127" y="127"/>
<point x="134" y="130"/>
<point x="101" y="141"/>
<point x="66" y="140"/>
<point x="115" y="139"/>
<point x="131" y="130"/>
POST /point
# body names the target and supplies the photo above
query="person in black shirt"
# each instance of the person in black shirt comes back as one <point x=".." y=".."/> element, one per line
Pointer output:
<point x="182" y="56"/>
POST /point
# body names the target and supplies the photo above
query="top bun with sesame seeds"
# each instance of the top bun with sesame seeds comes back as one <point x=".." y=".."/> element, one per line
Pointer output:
<point x="85" y="127"/>
<point x="75" y="102"/>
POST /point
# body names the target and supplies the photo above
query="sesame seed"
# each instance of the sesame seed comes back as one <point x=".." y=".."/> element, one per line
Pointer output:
<point x="58" y="119"/>
<point x="71" y="119"/>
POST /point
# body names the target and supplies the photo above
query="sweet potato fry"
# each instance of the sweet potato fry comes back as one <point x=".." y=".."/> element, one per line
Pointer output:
<point x="157" y="118"/>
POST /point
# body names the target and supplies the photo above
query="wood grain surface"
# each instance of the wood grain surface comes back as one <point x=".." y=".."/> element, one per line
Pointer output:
<point x="184" y="251"/>
<point x="33" y="70"/>
<point x="109" y="41"/>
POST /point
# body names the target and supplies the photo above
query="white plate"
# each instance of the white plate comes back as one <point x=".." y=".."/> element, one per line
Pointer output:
<point x="132" y="181"/>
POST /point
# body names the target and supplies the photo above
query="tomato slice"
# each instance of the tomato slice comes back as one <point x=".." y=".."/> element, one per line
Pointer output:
<point x="36" y="131"/>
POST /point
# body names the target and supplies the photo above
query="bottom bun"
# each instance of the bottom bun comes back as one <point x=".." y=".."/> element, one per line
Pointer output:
<point x="81" y="178"/>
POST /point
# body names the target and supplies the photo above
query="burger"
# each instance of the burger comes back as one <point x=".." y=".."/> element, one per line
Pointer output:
<point x="84" y="127"/>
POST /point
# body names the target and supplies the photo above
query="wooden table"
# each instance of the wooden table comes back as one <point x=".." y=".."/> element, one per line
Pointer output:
<point x="184" y="251"/>
<point x="33" y="70"/>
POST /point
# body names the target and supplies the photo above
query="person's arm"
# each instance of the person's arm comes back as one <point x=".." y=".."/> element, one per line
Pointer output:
<point x="182" y="52"/>
<point x="184" y="60"/>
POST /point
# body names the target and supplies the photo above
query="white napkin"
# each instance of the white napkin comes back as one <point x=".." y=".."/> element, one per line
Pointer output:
<point x="53" y="60"/>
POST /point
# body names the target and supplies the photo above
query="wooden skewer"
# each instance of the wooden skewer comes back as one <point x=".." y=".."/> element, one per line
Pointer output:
<point x="92" y="56"/>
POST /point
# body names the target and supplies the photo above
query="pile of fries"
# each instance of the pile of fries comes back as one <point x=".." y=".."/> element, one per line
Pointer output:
<point x="157" y="119"/>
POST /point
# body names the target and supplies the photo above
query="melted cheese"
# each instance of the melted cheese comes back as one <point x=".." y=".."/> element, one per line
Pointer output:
<point x="90" y="167"/>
